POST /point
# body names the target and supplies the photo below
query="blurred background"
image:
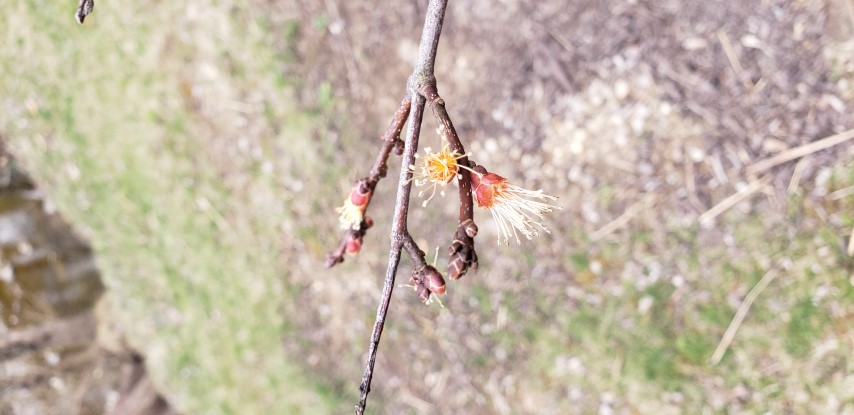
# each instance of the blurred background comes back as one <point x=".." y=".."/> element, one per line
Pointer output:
<point x="173" y="169"/>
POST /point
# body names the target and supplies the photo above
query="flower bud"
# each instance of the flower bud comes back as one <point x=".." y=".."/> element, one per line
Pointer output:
<point x="457" y="266"/>
<point x="423" y="293"/>
<point x="360" y="195"/>
<point x="353" y="246"/>
<point x="433" y="280"/>
<point x="351" y="214"/>
<point x="471" y="229"/>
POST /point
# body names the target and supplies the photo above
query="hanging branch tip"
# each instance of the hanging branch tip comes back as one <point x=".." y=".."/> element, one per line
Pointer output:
<point x="84" y="9"/>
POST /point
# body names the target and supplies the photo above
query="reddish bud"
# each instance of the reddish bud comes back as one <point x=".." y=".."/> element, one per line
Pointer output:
<point x="360" y="196"/>
<point x="433" y="280"/>
<point x="354" y="245"/>
<point x="423" y="293"/>
<point x="457" y="266"/>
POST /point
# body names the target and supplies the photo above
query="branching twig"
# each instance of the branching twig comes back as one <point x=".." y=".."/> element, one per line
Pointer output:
<point x="400" y="238"/>
<point x="463" y="255"/>
<point x="391" y="140"/>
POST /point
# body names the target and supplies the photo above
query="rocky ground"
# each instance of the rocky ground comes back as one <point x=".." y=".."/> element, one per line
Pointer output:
<point x="59" y="352"/>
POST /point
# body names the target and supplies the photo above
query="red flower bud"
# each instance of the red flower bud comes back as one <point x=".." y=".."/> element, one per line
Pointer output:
<point x="354" y="245"/>
<point x="351" y="214"/>
<point x="423" y="293"/>
<point x="359" y="196"/>
<point x="433" y="280"/>
<point x="515" y="210"/>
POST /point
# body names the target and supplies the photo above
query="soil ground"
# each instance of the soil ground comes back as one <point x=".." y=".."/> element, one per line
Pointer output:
<point x="641" y="116"/>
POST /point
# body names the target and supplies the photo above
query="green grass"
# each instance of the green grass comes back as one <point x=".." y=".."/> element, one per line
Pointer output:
<point x="643" y="356"/>
<point x="187" y="226"/>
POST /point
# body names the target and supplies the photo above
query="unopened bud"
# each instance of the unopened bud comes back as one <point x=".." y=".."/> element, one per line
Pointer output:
<point x="455" y="247"/>
<point x="433" y="280"/>
<point x="360" y="195"/>
<point x="471" y="229"/>
<point x="457" y="266"/>
<point x="423" y="293"/>
<point x="354" y="245"/>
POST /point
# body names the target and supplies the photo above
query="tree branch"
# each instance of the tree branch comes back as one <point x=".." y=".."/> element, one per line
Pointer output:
<point x="421" y="76"/>
<point x="461" y="251"/>
<point x="391" y="140"/>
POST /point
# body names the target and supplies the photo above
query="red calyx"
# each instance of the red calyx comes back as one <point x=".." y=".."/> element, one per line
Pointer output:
<point x="354" y="245"/>
<point x="360" y="196"/>
<point x="485" y="188"/>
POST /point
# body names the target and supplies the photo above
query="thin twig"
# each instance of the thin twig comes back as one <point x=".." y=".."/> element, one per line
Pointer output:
<point x="801" y="151"/>
<point x="461" y="251"/>
<point x="739" y="316"/>
<point x="734" y="62"/>
<point x="398" y="235"/>
<point x="623" y="219"/>
<point x="391" y="140"/>
<point x="706" y="218"/>
<point x="796" y="175"/>
<point x="422" y="75"/>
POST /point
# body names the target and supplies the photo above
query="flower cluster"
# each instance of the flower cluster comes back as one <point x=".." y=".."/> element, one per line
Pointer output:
<point x="427" y="281"/>
<point x="514" y="209"/>
<point x="436" y="169"/>
<point x="352" y="213"/>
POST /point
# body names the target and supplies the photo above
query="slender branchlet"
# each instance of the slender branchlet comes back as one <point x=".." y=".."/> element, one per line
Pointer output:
<point x="84" y="9"/>
<point x="353" y="218"/>
<point x="462" y="254"/>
